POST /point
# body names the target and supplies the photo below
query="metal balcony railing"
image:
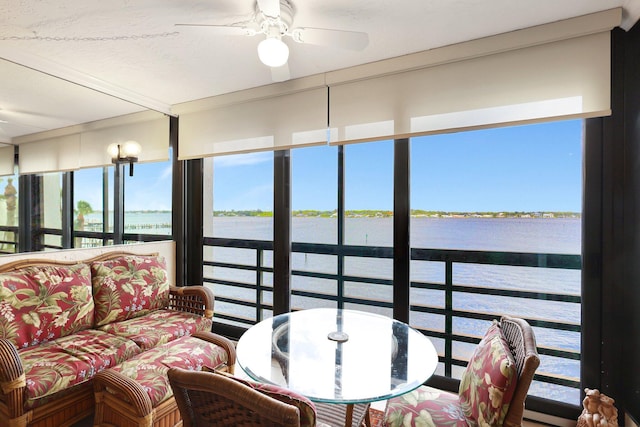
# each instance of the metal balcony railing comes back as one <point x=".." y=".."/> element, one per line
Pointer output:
<point x="242" y="282"/>
<point x="8" y="239"/>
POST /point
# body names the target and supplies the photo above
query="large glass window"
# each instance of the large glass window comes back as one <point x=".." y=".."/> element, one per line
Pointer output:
<point x="314" y="201"/>
<point x="52" y="209"/>
<point x="314" y="195"/>
<point x="148" y="198"/>
<point x="501" y="192"/>
<point x="238" y="204"/>
<point x="368" y="198"/>
<point x="496" y="208"/>
<point x="89" y="206"/>
<point x="241" y="204"/>
<point x="369" y="193"/>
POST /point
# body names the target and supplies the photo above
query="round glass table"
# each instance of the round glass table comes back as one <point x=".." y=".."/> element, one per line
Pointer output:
<point x="337" y="355"/>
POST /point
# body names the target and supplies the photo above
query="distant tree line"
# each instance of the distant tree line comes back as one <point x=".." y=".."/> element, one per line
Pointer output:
<point x="369" y="213"/>
<point x="256" y="212"/>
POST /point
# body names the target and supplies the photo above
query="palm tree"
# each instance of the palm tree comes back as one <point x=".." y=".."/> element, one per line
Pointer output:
<point x="82" y="208"/>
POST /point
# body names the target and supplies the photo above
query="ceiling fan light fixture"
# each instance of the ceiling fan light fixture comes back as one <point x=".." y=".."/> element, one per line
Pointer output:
<point x="273" y="52"/>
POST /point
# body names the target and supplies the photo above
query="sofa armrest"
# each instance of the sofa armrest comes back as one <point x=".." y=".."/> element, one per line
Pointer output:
<point x="226" y="344"/>
<point x="12" y="379"/>
<point x="192" y="299"/>
<point x="108" y="382"/>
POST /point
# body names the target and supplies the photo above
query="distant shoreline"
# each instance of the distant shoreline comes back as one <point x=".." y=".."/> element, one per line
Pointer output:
<point x="415" y="213"/>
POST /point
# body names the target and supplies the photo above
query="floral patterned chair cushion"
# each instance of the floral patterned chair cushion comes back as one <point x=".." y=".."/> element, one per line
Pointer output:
<point x="425" y="406"/>
<point x="486" y="388"/>
<point x="128" y="287"/>
<point x="305" y="406"/>
<point x="489" y="381"/>
<point x="42" y="303"/>
<point x="56" y="366"/>
<point x="149" y="369"/>
<point x="159" y="327"/>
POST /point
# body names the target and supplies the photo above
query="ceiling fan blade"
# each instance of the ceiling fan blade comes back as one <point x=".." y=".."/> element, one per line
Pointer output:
<point x="223" y="29"/>
<point x="270" y="7"/>
<point x="280" y="74"/>
<point x="352" y="40"/>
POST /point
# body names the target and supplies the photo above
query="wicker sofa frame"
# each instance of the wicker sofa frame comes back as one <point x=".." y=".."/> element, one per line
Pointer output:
<point x="79" y="403"/>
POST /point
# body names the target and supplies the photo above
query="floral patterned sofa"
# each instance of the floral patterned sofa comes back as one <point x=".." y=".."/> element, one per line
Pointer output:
<point x="63" y="322"/>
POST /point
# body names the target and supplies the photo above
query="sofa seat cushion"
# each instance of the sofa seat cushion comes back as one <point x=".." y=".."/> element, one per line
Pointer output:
<point x="42" y="303"/>
<point x="61" y="364"/>
<point x="425" y="406"/>
<point x="159" y="327"/>
<point x="128" y="286"/>
<point x="149" y="369"/>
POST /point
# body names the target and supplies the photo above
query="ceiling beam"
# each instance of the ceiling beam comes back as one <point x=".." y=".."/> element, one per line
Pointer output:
<point x="79" y="78"/>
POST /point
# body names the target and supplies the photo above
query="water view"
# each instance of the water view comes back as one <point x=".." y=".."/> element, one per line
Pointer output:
<point x="534" y="235"/>
<point x="512" y="234"/>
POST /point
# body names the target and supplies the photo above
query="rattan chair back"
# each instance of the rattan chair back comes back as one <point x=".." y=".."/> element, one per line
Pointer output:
<point x="522" y="343"/>
<point x="209" y="399"/>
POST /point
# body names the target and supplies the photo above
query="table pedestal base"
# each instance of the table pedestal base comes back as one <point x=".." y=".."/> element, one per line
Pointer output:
<point x="340" y="414"/>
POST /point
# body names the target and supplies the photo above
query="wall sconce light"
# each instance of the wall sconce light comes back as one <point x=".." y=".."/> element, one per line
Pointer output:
<point x="125" y="152"/>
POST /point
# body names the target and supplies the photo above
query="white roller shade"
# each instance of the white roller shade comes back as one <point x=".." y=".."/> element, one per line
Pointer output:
<point x="7" y="160"/>
<point x="519" y="77"/>
<point x="49" y="155"/>
<point x="85" y="146"/>
<point x="273" y="117"/>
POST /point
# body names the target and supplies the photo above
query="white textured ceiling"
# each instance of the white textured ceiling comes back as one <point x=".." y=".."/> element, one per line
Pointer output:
<point x="132" y="47"/>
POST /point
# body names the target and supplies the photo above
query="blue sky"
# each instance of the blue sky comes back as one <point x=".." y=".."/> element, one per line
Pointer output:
<point x="520" y="168"/>
<point x="148" y="189"/>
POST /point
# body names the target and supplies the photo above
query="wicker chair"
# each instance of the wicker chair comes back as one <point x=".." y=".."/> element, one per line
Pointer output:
<point x="215" y="399"/>
<point x="473" y="404"/>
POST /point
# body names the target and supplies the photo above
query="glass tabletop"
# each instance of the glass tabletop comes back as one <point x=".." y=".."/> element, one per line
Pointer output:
<point x="337" y="356"/>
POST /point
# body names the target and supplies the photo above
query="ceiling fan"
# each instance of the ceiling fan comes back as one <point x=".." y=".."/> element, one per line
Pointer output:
<point x="274" y="20"/>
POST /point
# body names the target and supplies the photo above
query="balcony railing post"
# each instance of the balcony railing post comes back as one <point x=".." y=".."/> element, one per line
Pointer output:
<point x="341" y="227"/>
<point x="448" y="318"/>
<point x="401" y="230"/>
<point x="282" y="232"/>
<point x="259" y="284"/>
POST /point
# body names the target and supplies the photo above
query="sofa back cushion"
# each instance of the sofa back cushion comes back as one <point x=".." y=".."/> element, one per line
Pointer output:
<point x="128" y="286"/>
<point x="42" y="303"/>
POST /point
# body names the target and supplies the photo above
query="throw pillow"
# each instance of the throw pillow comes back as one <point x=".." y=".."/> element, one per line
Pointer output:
<point x="42" y="303"/>
<point x="129" y="286"/>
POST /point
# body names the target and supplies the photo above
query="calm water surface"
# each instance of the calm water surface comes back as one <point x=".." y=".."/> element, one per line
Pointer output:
<point x="536" y="235"/>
